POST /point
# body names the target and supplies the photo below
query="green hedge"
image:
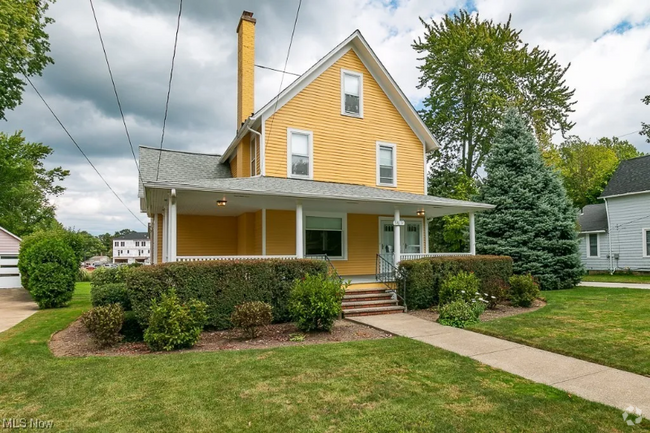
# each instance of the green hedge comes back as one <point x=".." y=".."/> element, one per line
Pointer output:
<point x="423" y="277"/>
<point x="221" y="285"/>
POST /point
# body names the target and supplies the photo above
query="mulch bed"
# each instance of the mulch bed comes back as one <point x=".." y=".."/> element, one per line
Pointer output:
<point x="76" y="341"/>
<point x="502" y="310"/>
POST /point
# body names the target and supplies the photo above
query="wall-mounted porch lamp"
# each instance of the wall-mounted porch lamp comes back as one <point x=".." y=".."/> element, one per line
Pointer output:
<point x="222" y="202"/>
<point x="420" y="212"/>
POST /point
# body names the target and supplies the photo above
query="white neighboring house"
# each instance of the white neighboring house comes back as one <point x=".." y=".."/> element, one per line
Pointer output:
<point x="9" y="247"/>
<point x="132" y="248"/>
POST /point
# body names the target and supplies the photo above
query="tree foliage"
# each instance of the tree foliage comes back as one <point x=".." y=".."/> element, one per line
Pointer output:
<point x="26" y="185"/>
<point x="475" y="70"/>
<point x="645" y="127"/>
<point x="534" y="221"/>
<point x="25" y="47"/>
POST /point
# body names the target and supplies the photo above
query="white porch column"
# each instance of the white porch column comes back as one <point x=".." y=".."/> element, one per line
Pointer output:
<point x="299" y="232"/>
<point x="153" y="245"/>
<point x="172" y="226"/>
<point x="397" y="247"/>
<point x="472" y="234"/>
<point x="426" y="234"/>
<point x="263" y="232"/>
<point x="165" y="235"/>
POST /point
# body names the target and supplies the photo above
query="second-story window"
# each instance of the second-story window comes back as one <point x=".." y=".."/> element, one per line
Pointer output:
<point x="117" y="244"/>
<point x="143" y="244"/>
<point x="137" y="243"/>
<point x="351" y="93"/>
<point x="386" y="164"/>
<point x="299" y="157"/>
<point x="253" y="152"/>
<point x="121" y="244"/>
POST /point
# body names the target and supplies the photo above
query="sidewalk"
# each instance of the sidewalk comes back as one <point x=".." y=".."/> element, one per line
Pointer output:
<point x="15" y="306"/>
<point x="585" y="379"/>
<point x="615" y="285"/>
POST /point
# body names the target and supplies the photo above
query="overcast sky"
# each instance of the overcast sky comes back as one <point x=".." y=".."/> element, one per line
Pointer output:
<point x="607" y="43"/>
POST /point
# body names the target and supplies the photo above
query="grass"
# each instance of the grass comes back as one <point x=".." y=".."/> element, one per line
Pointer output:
<point x="606" y="326"/>
<point x="617" y="278"/>
<point x="370" y="386"/>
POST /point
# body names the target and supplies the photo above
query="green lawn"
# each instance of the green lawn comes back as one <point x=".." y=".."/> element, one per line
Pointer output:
<point x="617" y="278"/>
<point x="372" y="386"/>
<point x="607" y="326"/>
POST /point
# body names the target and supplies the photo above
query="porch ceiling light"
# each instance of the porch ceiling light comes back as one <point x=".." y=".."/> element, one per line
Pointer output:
<point x="222" y="202"/>
<point x="420" y="212"/>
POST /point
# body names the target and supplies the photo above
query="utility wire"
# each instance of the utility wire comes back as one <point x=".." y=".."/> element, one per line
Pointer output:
<point x="284" y="70"/>
<point x="117" y="96"/>
<point x="629" y="133"/>
<point x="169" y="86"/>
<point x="276" y="70"/>
<point x="81" y="150"/>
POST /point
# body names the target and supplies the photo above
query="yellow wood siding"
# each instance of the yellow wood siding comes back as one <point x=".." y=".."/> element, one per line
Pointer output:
<point x="240" y="163"/>
<point x="258" y="233"/>
<point x="280" y="232"/>
<point x="345" y="148"/>
<point x="363" y="246"/>
<point x="246" y="234"/>
<point x="199" y="235"/>
<point x="233" y="166"/>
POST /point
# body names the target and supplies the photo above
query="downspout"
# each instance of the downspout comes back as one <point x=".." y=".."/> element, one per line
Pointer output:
<point x="609" y="239"/>
<point x="249" y="129"/>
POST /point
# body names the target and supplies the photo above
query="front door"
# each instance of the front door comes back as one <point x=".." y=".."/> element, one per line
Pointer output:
<point x="410" y="236"/>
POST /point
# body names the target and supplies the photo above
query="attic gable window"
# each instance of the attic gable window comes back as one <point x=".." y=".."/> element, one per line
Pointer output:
<point x="299" y="154"/>
<point x="351" y="93"/>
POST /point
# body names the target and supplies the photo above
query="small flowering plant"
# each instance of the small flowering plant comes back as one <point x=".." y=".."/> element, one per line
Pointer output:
<point x="464" y="286"/>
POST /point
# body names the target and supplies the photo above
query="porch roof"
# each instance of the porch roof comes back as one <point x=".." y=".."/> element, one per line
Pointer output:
<point x="310" y="189"/>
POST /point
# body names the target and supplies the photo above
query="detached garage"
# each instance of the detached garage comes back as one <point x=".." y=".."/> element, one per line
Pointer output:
<point x="9" y="246"/>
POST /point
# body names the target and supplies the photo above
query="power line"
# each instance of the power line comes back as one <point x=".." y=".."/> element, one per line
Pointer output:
<point x="276" y="70"/>
<point x="117" y="96"/>
<point x="81" y="150"/>
<point x="169" y="86"/>
<point x="629" y="133"/>
<point x="284" y="70"/>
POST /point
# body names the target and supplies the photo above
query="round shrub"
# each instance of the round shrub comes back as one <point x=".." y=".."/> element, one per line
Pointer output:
<point x="523" y="290"/>
<point x="173" y="325"/>
<point x="494" y="290"/>
<point x="249" y="316"/>
<point x="101" y="276"/>
<point x="463" y="286"/>
<point x="51" y="267"/>
<point x="460" y="314"/>
<point x="315" y="302"/>
<point x="105" y="323"/>
<point x="113" y="293"/>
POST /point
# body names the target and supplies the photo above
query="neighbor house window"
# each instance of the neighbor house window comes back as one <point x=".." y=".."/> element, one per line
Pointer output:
<point x="117" y="244"/>
<point x="143" y="244"/>
<point x="351" y="93"/>
<point x="324" y="235"/>
<point x="593" y="245"/>
<point x="253" y="152"/>
<point x="300" y="155"/>
<point x="121" y="244"/>
<point x="646" y="242"/>
<point x="386" y="163"/>
<point x="137" y="244"/>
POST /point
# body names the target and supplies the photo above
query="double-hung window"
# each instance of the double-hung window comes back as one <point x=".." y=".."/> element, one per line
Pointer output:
<point x="351" y="93"/>
<point x="253" y="152"/>
<point x="299" y="155"/>
<point x="325" y="235"/>
<point x="646" y="242"/>
<point x="386" y="164"/>
<point x="593" y="245"/>
<point x="137" y="244"/>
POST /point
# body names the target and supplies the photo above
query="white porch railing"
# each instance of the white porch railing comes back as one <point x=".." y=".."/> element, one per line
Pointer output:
<point x="415" y="256"/>
<point x="209" y="258"/>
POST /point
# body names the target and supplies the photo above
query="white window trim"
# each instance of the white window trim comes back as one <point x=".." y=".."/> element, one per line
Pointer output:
<point x="310" y="134"/>
<point x="394" y="147"/>
<point x="345" y="72"/>
<point x="344" y="231"/>
<point x="589" y="246"/>
<point x="253" y="155"/>
<point x="644" y="233"/>
<point x="409" y="219"/>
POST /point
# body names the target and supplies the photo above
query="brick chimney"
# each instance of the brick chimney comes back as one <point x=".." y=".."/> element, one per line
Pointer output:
<point x="245" y="67"/>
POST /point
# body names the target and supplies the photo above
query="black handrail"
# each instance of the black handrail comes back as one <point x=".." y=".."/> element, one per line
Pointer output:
<point x="330" y="266"/>
<point x="388" y="274"/>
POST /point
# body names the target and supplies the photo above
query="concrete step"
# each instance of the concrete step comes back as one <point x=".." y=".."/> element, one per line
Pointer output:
<point x="368" y="304"/>
<point x="372" y="311"/>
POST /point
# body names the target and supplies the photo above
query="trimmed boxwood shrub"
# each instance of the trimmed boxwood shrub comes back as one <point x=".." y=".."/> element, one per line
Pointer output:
<point x="112" y="293"/>
<point x="423" y="277"/>
<point x="523" y="290"/>
<point x="104" y="323"/>
<point x="221" y="285"/>
<point x="50" y="270"/>
<point x="250" y="316"/>
<point x="116" y="275"/>
<point x="315" y="302"/>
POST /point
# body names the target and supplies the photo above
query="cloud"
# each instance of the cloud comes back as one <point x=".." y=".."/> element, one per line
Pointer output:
<point x="607" y="44"/>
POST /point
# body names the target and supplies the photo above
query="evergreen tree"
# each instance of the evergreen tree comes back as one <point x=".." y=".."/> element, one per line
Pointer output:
<point x="534" y="221"/>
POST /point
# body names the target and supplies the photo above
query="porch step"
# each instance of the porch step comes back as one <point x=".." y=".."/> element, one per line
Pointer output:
<point x="372" y="311"/>
<point x="347" y="305"/>
<point x="365" y="291"/>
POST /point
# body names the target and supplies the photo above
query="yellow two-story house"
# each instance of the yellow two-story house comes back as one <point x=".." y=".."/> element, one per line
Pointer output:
<point x="334" y="166"/>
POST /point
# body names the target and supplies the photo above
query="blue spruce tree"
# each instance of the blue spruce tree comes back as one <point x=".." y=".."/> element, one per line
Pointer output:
<point x="534" y="222"/>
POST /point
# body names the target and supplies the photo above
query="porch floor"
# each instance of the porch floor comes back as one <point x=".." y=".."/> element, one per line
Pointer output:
<point x="360" y="279"/>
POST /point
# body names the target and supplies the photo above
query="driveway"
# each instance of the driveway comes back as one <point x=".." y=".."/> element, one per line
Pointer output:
<point x="15" y="306"/>
<point x="615" y="285"/>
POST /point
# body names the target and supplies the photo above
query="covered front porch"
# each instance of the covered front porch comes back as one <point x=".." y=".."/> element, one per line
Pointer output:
<point x="356" y="235"/>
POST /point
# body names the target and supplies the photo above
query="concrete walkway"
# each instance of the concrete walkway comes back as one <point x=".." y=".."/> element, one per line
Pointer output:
<point x="588" y="380"/>
<point x="615" y="285"/>
<point x="15" y="306"/>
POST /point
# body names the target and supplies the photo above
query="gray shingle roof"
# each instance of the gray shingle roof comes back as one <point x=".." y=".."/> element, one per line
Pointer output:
<point x="632" y="175"/>
<point x="179" y="166"/>
<point x="309" y="188"/>
<point x="593" y="218"/>
<point x="133" y="236"/>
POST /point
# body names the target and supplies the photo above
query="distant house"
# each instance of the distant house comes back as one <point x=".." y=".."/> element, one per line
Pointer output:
<point x="9" y="247"/>
<point x="132" y="248"/>
<point x="615" y="235"/>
